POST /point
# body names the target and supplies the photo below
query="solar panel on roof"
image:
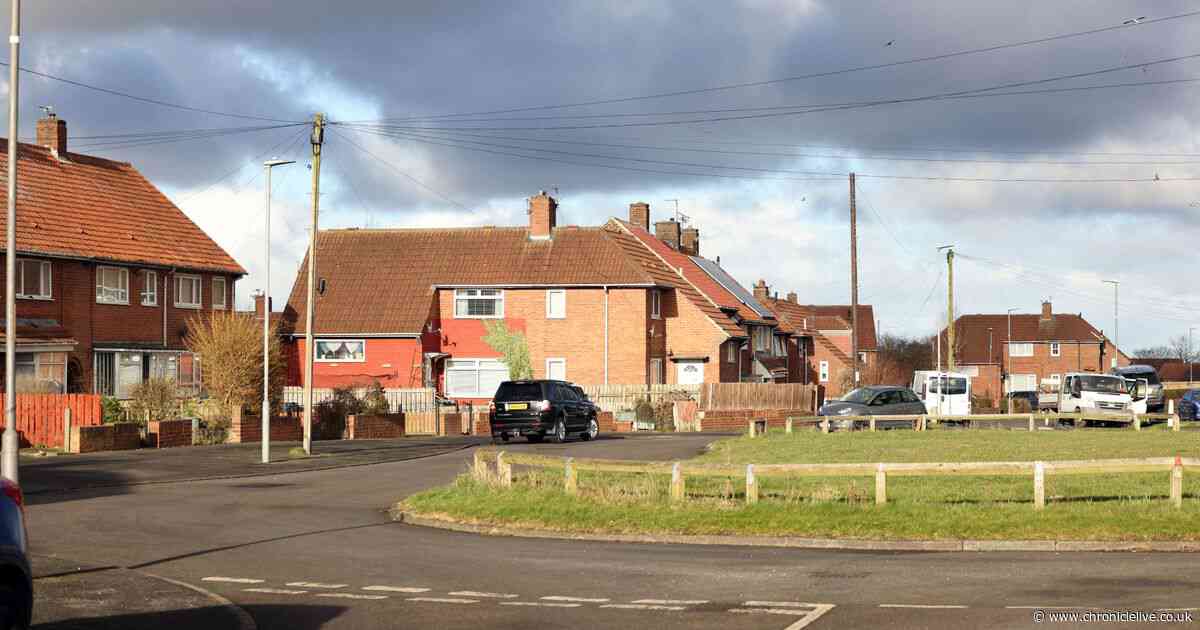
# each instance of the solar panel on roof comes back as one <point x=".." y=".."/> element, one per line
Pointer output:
<point x="725" y="280"/>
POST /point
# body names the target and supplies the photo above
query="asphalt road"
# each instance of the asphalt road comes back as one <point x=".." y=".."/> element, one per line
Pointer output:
<point x="316" y="550"/>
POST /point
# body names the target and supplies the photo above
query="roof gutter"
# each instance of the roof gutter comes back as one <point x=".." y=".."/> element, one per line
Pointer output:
<point x="402" y="335"/>
<point x="641" y="285"/>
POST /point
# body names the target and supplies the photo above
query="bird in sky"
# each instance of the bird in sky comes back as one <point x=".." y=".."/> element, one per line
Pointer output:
<point x="890" y="42"/>
<point x="1136" y="20"/>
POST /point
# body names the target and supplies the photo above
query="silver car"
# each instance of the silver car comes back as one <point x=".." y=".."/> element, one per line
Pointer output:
<point x="875" y="400"/>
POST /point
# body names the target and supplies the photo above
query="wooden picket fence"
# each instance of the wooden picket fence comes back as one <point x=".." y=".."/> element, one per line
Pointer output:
<point x="40" y="416"/>
<point x="617" y="398"/>
<point x="723" y="396"/>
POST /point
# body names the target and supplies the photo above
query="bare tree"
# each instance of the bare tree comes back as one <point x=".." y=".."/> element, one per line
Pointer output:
<point x="1155" y="352"/>
<point x="1182" y="349"/>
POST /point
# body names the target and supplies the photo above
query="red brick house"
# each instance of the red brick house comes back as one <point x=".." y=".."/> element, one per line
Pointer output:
<point x="597" y="305"/>
<point x="1044" y="346"/>
<point x="108" y="273"/>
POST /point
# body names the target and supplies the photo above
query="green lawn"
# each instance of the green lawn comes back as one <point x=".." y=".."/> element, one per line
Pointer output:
<point x="1094" y="507"/>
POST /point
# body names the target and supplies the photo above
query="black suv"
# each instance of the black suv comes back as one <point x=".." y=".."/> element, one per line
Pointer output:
<point x="536" y="409"/>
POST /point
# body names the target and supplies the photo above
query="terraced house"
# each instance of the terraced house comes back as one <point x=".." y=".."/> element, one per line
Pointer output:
<point x="610" y="304"/>
<point x="109" y="271"/>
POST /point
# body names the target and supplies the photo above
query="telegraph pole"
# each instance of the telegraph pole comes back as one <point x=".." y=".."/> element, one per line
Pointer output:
<point x="1116" y="321"/>
<point x="853" y="282"/>
<point x="949" y="306"/>
<point x="10" y="443"/>
<point x="317" y="139"/>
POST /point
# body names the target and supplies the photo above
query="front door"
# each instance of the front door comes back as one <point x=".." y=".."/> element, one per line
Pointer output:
<point x="689" y="372"/>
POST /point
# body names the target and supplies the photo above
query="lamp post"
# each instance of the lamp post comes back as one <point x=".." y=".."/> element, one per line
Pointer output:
<point x="1116" y="321"/>
<point x="1190" y="358"/>
<point x="266" y="315"/>
<point x="1008" y="353"/>
<point x="10" y="443"/>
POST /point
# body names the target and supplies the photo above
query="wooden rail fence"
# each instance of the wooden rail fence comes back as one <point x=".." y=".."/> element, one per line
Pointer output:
<point x="924" y="422"/>
<point x="496" y="467"/>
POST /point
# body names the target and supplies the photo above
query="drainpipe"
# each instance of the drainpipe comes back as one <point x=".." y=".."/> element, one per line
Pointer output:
<point x="163" y="297"/>
<point x="606" y="334"/>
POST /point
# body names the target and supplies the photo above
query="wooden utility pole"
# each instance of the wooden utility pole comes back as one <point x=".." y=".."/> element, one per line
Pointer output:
<point x="317" y="139"/>
<point x="950" y="308"/>
<point x="853" y="283"/>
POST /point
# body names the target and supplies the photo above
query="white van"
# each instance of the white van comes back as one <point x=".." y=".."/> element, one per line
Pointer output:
<point x="1091" y="392"/>
<point x="944" y="393"/>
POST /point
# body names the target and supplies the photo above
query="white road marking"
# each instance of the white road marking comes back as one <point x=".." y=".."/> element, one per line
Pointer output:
<point x="921" y="606"/>
<point x="564" y="598"/>
<point x="672" y="602"/>
<point x="316" y="585"/>
<point x="541" y="604"/>
<point x="795" y="609"/>
<point x="642" y="607"/>
<point x="351" y="596"/>
<point x="274" y="591"/>
<point x="816" y="614"/>
<point x="771" y="611"/>
<point x="781" y="604"/>
<point x="232" y="580"/>
<point x="443" y="600"/>
<point x="484" y="595"/>
<point x="396" y="589"/>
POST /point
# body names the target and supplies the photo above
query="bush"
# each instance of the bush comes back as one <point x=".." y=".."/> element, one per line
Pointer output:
<point x="111" y="409"/>
<point x="154" y="399"/>
<point x="331" y="415"/>
<point x="664" y="416"/>
<point x="214" y="431"/>
<point x="230" y="347"/>
<point x="375" y="401"/>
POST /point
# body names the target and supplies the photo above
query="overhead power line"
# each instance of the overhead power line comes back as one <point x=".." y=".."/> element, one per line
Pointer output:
<point x="171" y="137"/>
<point x="826" y="73"/>
<point x="397" y="169"/>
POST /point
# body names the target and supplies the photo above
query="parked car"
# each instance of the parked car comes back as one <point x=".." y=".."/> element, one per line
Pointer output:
<point x="876" y="400"/>
<point x="1032" y="399"/>
<point x="16" y="578"/>
<point x="542" y="408"/>
<point x="583" y="397"/>
<point x="1189" y="405"/>
<point x="1155" y="401"/>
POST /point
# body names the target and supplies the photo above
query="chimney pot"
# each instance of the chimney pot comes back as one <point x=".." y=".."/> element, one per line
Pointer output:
<point x="761" y="290"/>
<point x="1047" y="311"/>
<point x="668" y="232"/>
<point x="543" y="215"/>
<point x="639" y="214"/>
<point x="52" y="133"/>
<point x="689" y="241"/>
<point x="791" y="297"/>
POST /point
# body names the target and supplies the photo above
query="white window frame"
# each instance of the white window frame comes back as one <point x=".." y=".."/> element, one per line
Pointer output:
<point x="477" y="366"/>
<point x="150" y="288"/>
<point x="199" y="292"/>
<point x="318" y="341"/>
<point x="823" y="371"/>
<point x="862" y="358"/>
<point x="45" y="275"/>
<point x="1055" y="349"/>
<point x="655" y="304"/>
<point x="224" y="289"/>
<point x="551" y="360"/>
<point x="463" y="296"/>
<point x="1018" y="349"/>
<point x="123" y="275"/>
<point x="763" y="334"/>
<point x="657" y="375"/>
<point x="550" y="294"/>
<point x="731" y="352"/>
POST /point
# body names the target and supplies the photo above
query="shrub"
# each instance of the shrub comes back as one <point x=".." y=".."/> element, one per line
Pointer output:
<point x="375" y="401"/>
<point x="664" y="416"/>
<point x="111" y="409"/>
<point x="213" y="431"/>
<point x="230" y="346"/>
<point x="331" y="415"/>
<point x="154" y="399"/>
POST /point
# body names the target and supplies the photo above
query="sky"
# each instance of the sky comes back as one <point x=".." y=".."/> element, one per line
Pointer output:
<point x="451" y="113"/>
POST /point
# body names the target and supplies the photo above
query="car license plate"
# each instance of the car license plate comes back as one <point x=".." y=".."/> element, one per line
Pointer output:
<point x="516" y="406"/>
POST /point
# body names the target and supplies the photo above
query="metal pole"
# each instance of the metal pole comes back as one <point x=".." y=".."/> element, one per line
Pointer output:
<point x="1190" y="358"/>
<point x="10" y="443"/>
<point x="853" y="282"/>
<point x="266" y="389"/>
<point x="950" y="310"/>
<point x="318" y="136"/>
<point x="1116" y="320"/>
<point x="1008" y="353"/>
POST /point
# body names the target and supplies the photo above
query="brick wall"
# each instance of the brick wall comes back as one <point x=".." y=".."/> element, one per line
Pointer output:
<point x="170" y="433"/>
<point x="690" y="333"/>
<point x="106" y="437"/>
<point x="737" y="420"/>
<point x="394" y="362"/>
<point x="245" y="428"/>
<point x="452" y="423"/>
<point x="375" y="427"/>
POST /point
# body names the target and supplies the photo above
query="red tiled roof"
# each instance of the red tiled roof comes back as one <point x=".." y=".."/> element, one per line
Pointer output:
<point x="88" y="207"/>
<point x="866" y="321"/>
<point x="971" y="333"/>
<point x="381" y="281"/>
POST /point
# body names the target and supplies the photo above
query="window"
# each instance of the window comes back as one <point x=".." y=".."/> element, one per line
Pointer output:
<point x="1055" y="349"/>
<point x="823" y="373"/>
<point x="479" y="304"/>
<point x="340" y="350"/>
<point x="655" y="304"/>
<point x="777" y="349"/>
<point x="33" y="279"/>
<point x="556" y="304"/>
<point x="556" y="369"/>
<point x="150" y="288"/>
<point x="218" y="294"/>
<point x="1022" y="382"/>
<point x="731" y="352"/>
<point x="187" y="291"/>
<point x="656" y="372"/>
<point x="474" y="378"/>
<point x="41" y="372"/>
<point x="862" y="358"/>
<point x="762" y="338"/>
<point x="909" y="397"/>
<point x="112" y="285"/>
<point x="1020" y="349"/>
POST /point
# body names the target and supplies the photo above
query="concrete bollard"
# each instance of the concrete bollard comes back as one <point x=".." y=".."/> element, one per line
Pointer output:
<point x="67" y="430"/>
<point x="880" y="486"/>
<point x="788" y="427"/>
<point x="676" y="483"/>
<point x="1177" y="483"/>
<point x="872" y="424"/>
<point x="1039" y="485"/>
<point x="1031" y="421"/>
<point x="751" y="485"/>
<point x="503" y="470"/>
<point x="570" y="478"/>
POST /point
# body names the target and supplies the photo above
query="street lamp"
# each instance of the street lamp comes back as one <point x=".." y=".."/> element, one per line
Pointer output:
<point x="266" y="388"/>
<point x="1190" y="358"/>
<point x="1116" y="321"/>
<point x="1008" y="353"/>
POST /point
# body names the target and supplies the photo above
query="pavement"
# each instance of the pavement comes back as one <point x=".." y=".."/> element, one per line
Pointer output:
<point x="315" y="548"/>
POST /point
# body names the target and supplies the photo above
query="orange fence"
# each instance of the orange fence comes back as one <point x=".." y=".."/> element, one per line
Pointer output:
<point x="40" y="416"/>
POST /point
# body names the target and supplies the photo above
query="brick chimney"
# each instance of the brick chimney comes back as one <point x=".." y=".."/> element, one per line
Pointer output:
<point x="543" y="214"/>
<point x="761" y="290"/>
<point x="639" y="214"/>
<point x="791" y="297"/>
<point x="258" y="306"/>
<point x="52" y="133"/>
<point x="689" y="241"/>
<point x="1047" y="313"/>
<point x="668" y="232"/>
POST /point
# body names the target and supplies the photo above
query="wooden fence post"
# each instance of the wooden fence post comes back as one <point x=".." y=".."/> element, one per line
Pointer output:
<point x="1031" y="427"/>
<point x="872" y="424"/>
<point x="1039" y="485"/>
<point x="503" y="470"/>
<point x="1176" y="420"/>
<point x="479" y="469"/>
<point x="1137" y="422"/>
<point x="880" y="486"/>
<point x="825" y="425"/>
<point x="676" y="482"/>
<point x="750" y="427"/>
<point x="751" y="485"/>
<point x="570" y="479"/>
<point x="922" y="422"/>
<point x="1177" y="483"/>
<point x="788" y="427"/>
<point x="66" y="429"/>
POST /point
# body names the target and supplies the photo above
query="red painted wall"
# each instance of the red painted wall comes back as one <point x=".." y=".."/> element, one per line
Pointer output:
<point x="392" y="362"/>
